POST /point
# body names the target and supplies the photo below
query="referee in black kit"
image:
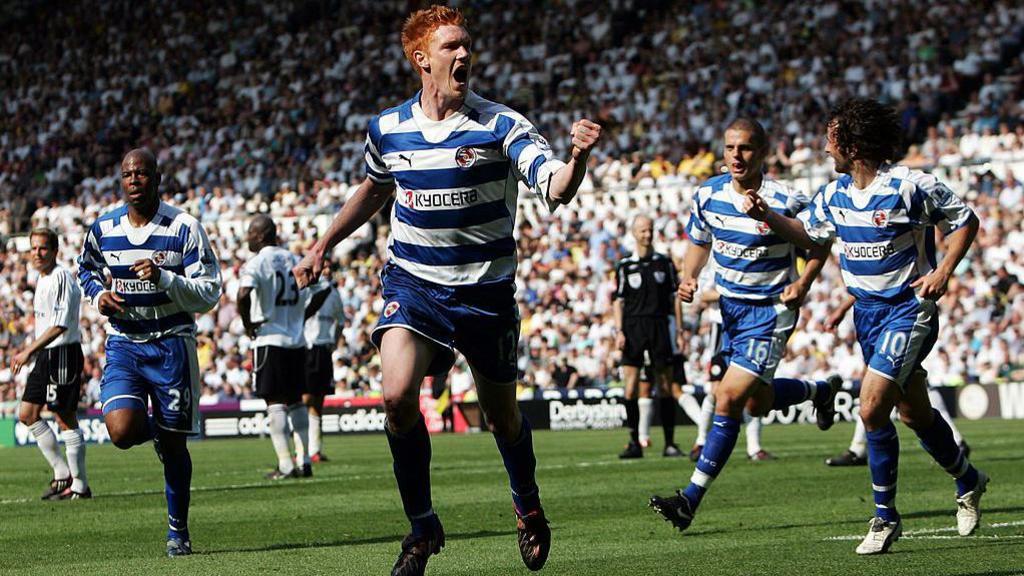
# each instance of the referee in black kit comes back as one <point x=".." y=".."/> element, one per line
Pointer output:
<point x="645" y="297"/>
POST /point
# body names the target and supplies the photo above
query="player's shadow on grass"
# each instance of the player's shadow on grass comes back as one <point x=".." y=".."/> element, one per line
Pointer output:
<point x="350" y="542"/>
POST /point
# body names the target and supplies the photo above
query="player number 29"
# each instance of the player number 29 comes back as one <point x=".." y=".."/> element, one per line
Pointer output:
<point x="176" y="395"/>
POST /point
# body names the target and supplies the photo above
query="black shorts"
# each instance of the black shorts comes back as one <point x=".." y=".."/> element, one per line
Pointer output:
<point x="678" y="369"/>
<point x="280" y="373"/>
<point x="56" y="379"/>
<point x="319" y="371"/>
<point x="646" y="334"/>
<point x="717" y="367"/>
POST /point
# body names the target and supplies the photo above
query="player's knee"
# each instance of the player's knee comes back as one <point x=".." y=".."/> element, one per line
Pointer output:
<point x="121" y="435"/>
<point x="28" y="417"/>
<point x="758" y="407"/>
<point x="873" y="415"/>
<point x="401" y="413"/>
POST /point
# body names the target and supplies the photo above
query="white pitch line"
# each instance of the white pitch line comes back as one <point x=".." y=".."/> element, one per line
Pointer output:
<point x="331" y="478"/>
<point x="935" y="537"/>
<point x="932" y="533"/>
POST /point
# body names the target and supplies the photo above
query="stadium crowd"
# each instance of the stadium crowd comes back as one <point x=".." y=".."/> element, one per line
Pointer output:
<point x="262" y="107"/>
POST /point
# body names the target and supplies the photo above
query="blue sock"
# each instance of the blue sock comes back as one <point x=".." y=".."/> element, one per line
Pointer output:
<point x="938" y="441"/>
<point x="790" y="391"/>
<point x="521" y="465"/>
<point x="720" y="441"/>
<point x="411" y="455"/>
<point x="177" y="482"/>
<point x="884" y="460"/>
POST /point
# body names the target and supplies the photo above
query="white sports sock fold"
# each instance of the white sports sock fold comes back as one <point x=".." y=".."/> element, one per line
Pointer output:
<point x="47" y="443"/>
<point x="279" y="437"/>
<point x="298" y="418"/>
<point x="74" y="445"/>
<point x="314" y="434"/>
<point x="753" y="434"/>
<point x="646" y="406"/>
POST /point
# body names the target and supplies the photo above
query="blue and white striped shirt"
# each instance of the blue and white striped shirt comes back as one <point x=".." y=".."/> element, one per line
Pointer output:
<point x="456" y="187"/>
<point x="885" y="230"/>
<point x="189" y="283"/>
<point x="752" y="262"/>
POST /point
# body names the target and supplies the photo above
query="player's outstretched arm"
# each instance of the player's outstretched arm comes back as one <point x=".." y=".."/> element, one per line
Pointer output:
<point x="365" y="202"/>
<point x="791" y="229"/>
<point x="566" y="182"/>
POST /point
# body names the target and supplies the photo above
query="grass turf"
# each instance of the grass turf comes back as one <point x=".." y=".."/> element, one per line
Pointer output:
<point x="789" y="516"/>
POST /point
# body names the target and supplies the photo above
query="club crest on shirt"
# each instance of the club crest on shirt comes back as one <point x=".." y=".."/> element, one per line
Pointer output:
<point x="391" y="308"/>
<point x="659" y="276"/>
<point x="763" y="228"/>
<point x="635" y="280"/>
<point x="159" y="257"/>
<point x="880" y="218"/>
<point x="465" y="157"/>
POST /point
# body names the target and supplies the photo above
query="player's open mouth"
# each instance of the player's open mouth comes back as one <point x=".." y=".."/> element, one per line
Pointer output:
<point x="461" y="74"/>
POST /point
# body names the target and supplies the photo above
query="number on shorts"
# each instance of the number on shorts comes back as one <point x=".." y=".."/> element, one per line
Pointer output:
<point x="758" y="350"/>
<point x="175" y="404"/>
<point x="507" y="347"/>
<point x="893" y="344"/>
<point x="51" y="392"/>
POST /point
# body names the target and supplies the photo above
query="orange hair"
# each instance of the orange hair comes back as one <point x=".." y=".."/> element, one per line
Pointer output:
<point x="421" y="24"/>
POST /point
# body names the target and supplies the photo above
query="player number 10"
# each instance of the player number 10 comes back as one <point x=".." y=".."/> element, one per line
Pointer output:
<point x="893" y="343"/>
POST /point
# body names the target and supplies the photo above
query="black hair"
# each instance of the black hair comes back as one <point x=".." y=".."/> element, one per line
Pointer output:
<point x="866" y="129"/>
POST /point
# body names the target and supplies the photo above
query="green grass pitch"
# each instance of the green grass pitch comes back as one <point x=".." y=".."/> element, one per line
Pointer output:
<point x="789" y="516"/>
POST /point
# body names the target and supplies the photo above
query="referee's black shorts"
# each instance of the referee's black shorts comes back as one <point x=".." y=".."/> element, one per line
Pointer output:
<point x="280" y="373"/>
<point x="56" y="379"/>
<point x="646" y="334"/>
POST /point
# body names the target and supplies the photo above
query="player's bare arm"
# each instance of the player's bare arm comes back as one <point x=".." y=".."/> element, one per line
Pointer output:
<point x="790" y="229"/>
<point x="367" y="200"/>
<point x="26" y="354"/>
<point x="693" y="262"/>
<point x="793" y="295"/>
<point x="933" y="285"/>
<point x="244" y="302"/>
<point x="565" y="182"/>
<point x="836" y="316"/>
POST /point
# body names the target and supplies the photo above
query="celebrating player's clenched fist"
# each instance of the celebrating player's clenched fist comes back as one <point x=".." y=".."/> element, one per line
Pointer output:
<point x="585" y="135"/>
<point x="687" y="289"/>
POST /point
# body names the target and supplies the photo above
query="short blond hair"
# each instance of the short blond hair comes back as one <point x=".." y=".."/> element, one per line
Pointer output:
<point x="49" y="233"/>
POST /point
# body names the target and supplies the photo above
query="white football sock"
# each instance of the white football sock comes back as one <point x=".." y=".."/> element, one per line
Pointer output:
<point x="279" y="437"/>
<point x="314" y="434"/>
<point x="707" y="412"/>
<point x="753" y="434"/>
<point x="939" y="404"/>
<point x="47" y="443"/>
<point x="74" y="445"/>
<point x="298" y="418"/>
<point x="646" y="413"/>
<point x="859" y="443"/>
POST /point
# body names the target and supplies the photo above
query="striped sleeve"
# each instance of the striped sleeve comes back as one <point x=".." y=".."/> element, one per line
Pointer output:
<point x="697" y="228"/>
<point x="199" y="290"/>
<point x="91" y="265"/>
<point x="532" y="159"/>
<point x="376" y="169"/>
<point x="816" y="220"/>
<point x="941" y="207"/>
